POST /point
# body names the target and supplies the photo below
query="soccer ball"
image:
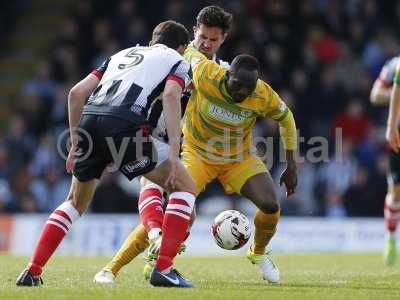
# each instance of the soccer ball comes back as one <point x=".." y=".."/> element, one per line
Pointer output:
<point x="231" y="229"/>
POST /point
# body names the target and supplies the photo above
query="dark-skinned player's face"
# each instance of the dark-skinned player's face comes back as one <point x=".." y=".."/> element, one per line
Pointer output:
<point x="241" y="83"/>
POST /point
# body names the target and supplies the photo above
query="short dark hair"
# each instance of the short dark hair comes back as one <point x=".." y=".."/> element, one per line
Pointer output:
<point x="215" y="16"/>
<point x="170" y="33"/>
<point x="245" y="61"/>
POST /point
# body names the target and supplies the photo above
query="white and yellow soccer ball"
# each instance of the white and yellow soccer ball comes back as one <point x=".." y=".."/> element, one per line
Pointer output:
<point x="231" y="229"/>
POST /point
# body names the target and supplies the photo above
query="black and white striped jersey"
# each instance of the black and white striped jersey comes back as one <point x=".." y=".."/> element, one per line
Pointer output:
<point x="133" y="78"/>
<point x="156" y="116"/>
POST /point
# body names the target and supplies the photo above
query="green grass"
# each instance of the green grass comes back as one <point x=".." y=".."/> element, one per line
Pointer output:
<point x="309" y="276"/>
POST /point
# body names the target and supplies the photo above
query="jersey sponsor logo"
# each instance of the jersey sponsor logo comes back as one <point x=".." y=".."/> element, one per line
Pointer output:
<point x="137" y="165"/>
<point x="228" y="116"/>
<point x="246" y="113"/>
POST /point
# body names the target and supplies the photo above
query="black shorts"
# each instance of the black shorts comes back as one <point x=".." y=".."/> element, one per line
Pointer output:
<point x="394" y="167"/>
<point x="107" y="141"/>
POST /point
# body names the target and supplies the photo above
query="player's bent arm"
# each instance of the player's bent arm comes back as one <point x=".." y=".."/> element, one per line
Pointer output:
<point x="288" y="133"/>
<point x="172" y="113"/>
<point x="380" y="94"/>
<point x="287" y="130"/>
<point x="76" y="100"/>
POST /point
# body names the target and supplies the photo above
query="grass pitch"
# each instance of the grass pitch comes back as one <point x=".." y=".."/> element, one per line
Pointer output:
<point x="309" y="276"/>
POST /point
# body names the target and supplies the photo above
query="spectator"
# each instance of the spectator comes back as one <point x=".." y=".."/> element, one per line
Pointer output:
<point x="321" y="55"/>
<point x="355" y="124"/>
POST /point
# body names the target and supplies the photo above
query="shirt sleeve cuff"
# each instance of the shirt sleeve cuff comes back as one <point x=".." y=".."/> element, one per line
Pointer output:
<point x="177" y="79"/>
<point x="97" y="73"/>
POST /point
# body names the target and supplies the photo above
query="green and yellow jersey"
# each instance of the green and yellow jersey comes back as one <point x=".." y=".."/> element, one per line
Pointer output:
<point x="220" y="129"/>
<point x="193" y="56"/>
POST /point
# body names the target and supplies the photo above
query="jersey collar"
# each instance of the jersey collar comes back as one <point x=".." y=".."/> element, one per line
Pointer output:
<point x="214" y="57"/>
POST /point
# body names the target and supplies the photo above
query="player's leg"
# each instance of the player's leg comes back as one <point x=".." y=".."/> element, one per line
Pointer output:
<point x="55" y="229"/>
<point x="154" y="248"/>
<point x="200" y="173"/>
<point x="138" y="240"/>
<point x="391" y="215"/>
<point x="86" y="172"/>
<point x="392" y="209"/>
<point x="178" y="211"/>
<point x="150" y="207"/>
<point x="151" y="214"/>
<point x="135" y="243"/>
<point x="175" y="224"/>
<point x="251" y="179"/>
<point x="193" y="174"/>
<point x="261" y="191"/>
<point x="180" y="204"/>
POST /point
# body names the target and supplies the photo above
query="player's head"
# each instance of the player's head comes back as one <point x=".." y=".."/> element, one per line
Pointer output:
<point x="172" y="34"/>
<point x="211" y="29"/>
<point x="242" y="77"/>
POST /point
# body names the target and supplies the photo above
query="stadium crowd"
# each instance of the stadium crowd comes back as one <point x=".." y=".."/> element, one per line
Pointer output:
<point x="321" y="56"/>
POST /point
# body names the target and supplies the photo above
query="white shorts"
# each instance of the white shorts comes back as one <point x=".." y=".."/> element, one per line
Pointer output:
<point x="162" y="151"/>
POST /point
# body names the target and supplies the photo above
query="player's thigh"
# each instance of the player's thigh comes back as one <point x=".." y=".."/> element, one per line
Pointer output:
<point x="239" y="173"/>
<point x="81" y="193"/>
<point x="201" y="172"/>
<point x="183" y="182"/>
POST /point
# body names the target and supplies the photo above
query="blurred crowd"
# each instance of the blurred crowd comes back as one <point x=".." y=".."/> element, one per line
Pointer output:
<point x="321" y="56"/>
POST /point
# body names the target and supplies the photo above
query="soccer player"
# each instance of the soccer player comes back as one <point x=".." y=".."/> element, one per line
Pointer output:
<point x="210" y="31"/>
<point x="385" y="89"/>
<point x="218" y="142"/>
<point x="115" y="117"/>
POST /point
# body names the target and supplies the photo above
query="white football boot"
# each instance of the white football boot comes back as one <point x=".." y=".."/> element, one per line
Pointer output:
<point x="104" y="277"/>
<point x="269" y="270"/>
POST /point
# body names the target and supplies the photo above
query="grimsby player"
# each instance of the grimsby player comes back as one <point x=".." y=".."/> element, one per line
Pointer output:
<point x="121" y="93"/>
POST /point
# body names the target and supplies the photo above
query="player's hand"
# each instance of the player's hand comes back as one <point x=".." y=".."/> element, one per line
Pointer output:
<point x="289" y="178"/>
<point x="392" y="136"/>
<point x="69" y="164"/>
<point x="173" y="162"/>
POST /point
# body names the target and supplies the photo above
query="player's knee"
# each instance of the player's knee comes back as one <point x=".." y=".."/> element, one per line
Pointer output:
<point x="192" y="188"/>
<point x="187" y="186"/>
<point x="268" y="203"/>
